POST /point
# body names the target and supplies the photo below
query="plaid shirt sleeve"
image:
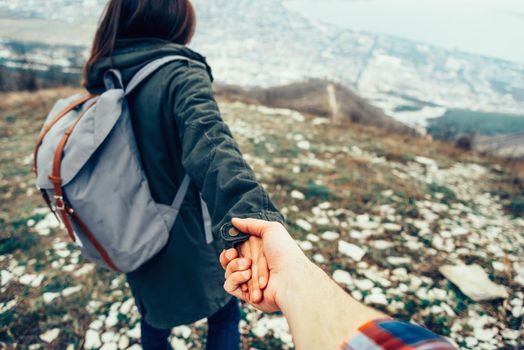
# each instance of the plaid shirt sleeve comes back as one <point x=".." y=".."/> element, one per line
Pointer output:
<point x="395" y="335"/>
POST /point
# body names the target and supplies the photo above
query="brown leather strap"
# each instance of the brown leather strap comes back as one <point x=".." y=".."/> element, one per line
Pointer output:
<point x="101" y="251"/>
<point x="48" y="127"/>
<point x="60" y="203"/>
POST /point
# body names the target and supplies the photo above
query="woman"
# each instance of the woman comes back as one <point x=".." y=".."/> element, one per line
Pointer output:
<point x="178" y="129"/>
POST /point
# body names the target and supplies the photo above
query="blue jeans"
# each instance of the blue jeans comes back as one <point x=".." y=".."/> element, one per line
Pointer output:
<point x="222" y="334"/>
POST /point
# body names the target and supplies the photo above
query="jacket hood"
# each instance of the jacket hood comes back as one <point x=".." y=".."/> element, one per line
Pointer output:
<point x="130" y="55"/>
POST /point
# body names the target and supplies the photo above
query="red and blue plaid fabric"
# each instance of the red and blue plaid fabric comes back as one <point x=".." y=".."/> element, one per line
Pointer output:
<point x="395" y="335"/>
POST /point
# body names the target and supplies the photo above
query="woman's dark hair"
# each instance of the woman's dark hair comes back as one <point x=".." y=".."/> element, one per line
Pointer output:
<point x="170" y="20"/>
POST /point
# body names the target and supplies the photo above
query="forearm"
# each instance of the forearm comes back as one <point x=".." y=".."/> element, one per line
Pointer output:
<point x="321" y="315"/>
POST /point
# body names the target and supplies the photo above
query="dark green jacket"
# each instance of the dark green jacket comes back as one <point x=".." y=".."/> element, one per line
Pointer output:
<point x="178" y="129"/>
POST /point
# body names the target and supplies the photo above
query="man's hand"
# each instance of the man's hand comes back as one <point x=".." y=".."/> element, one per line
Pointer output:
<point x="280" y="251"/>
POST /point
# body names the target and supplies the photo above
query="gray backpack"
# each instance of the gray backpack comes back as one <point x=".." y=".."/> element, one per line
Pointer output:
<point x="89" y="171"/>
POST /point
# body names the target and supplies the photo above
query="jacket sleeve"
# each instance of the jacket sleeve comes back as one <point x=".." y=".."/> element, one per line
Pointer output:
<point x="212" y="158"/>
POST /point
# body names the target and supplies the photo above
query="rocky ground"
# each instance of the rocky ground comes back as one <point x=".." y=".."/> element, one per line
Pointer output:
<point x="383" y="214"/>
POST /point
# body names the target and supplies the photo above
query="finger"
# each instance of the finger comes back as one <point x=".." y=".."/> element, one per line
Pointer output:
<point x="244" y="287"/>
<point x="252" y="226"/>
<point x="234" y="281"/>
<point x="263" y="272"/>
<point x="226" y="256"/>
<point x="237" y="265"/>
<point x="254" y="289"/>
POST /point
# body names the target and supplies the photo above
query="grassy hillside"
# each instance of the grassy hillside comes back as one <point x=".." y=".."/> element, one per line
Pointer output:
<point x="412" y="205"/>
<point x="456" y="122"/>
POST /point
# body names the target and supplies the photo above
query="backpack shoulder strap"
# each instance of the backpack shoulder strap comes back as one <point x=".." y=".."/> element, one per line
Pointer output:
<point x="151" y="67"/>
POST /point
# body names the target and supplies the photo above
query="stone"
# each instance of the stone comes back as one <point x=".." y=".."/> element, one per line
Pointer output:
<point x="376" y="298"/>
<point x="382" y="245"/>
<point x="49" y="297"/>
<point x="182" y="331"/>
<point x="297" y="195"/>
<point x="305" y="245"/>
<point x="319" y="258"/>
<point x="330" y="236"/>
<point x="364" y="284"/>
<point x="126" y="306"/>
<point x="111" y="320"/>
<point x="485" y="335"/>
<point x="92" y="340"/>
<point x="303" y="224"/>
<point x="71" y="290"/>
<point x="398" y="260"/>
<point x="110" y="346"/>
<point x="84" y="270"/>
<point x="123" y="342"/>
<point x="473" y="282"/>
<point x="342" y="277"/>
<point x="5" y="277"/>
<point x="313" y="238"/>
<point x="50" y="335"/>
<point x="134" y="333"/>
<point x="107" y="337"/>
<point x="179" y="344"/>
<point x="96" y="325"/>
<point x="134" y="347"/>
<point x="392" y="227"/>
<point x="353" y="251"/>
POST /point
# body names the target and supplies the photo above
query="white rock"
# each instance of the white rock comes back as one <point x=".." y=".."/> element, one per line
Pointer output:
<point x="354" y="252"/>
<point x="112" y="319"/>
<point x="471" y="342"/>
<point x="303" y="224"/>
<point x="134" y="332"/>
<point x="278" y="325"/>
<point x="392" y="227"/>
<point x="428" y="162"/>
<point x="7" y="305"/>
<point x="305" y="245"/>
<point x="5" y="277"/>
<point x="182" y="331"/>
<point x="485" y="335"/>
<point x="123" y="342"/>
<point x="84" y="270"/>
<point x="330" y="236"/>
<point x="398" y="260"/>
<point x="108" y="337"/>
<point x="109" y="346"/>
<point x="31" y="280"/>
<point x="96" y="325"/>
<point x="364" y="284"/>
<point x="49" y="297"/>
<point x="319" y="258"/>
<point x="375" y="298"/>
<point x="92" y="340"/>
<point x="71" y="290"/>
<point x="473" y="282"/>
<point x="313" y="238"/>
<point x="50" y="335"/>
<point x="498" y="266"/>
<point x="126" y="306"/>
<point x="512" y="334"/>
<point x="297" y="195"/>
<point x="342" y="277"/>
<point x="44" y="227"/>
<point x="305" y="145"/>
<point x="382" y="245"/>
<point x="134" y="347"/>
<point x="179" y="344"/>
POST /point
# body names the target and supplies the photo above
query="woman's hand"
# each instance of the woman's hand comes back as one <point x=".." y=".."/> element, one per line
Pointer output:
<point x="253" y="250"/>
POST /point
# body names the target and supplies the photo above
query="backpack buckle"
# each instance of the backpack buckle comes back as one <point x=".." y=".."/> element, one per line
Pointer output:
<point x="59" y="203"/>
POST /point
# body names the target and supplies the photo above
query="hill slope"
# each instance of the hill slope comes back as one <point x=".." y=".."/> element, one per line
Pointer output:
<point x="318" y="97"/>
<point x="410" y="204"/>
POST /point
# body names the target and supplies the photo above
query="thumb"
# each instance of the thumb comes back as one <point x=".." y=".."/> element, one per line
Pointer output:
<point x="253" y="227"/>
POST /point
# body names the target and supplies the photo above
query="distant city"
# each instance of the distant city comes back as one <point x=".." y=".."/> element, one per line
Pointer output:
<point x="263" y="43"/>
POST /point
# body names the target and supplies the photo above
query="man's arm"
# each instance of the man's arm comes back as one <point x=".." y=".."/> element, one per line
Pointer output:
<point x="320" y="314"/>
